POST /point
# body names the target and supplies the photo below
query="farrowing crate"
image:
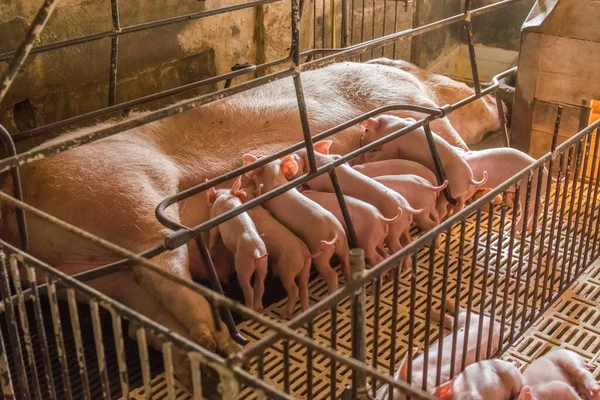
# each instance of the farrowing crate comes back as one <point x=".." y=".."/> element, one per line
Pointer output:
<point x="340" y="340"/>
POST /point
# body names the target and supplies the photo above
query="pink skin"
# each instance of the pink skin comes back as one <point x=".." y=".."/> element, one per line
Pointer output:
<point x="370" y="226"/>
<point x="413" y="146"/>
<point x="560" y="374"/>
<point x="317" y="227"/>
<point x="472" y="121"/>
<point x="241" y="238"/>
<point x="485" y="380"/>
<point x="420" y="193"/>
<point x="289" y="256"/>
<point x="358" y="186"/>
<point x="504" y="163"/>
<point x="468" y="332"/>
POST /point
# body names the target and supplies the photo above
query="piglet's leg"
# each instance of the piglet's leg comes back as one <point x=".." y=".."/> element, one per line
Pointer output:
<point x="325" y="270"/>
<point x="292" y="291"/>
<point x="259" y="282"/>
<point x="582" y="379"/>
<point x="244" y="268"/>
<point x="303" y="279"/>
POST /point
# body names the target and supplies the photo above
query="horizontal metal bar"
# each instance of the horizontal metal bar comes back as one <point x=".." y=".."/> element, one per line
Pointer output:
<point x="139" y="27"/>
<point x="18" y="57"/>
<point x="358" y="49"/>
<point x="394" y="259"/>
<point x="99" y="133"/>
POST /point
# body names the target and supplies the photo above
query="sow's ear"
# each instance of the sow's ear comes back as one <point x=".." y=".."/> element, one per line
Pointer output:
<point x="371" y="124"/>
<point x="289" y="166"/>
<point x="249" y="159"/>
<point x="323" y="146"/>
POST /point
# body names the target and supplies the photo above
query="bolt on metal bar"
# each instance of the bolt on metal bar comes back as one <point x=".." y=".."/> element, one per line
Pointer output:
<point x="138" y="28"/>
<point x="114" y="52"/>
<point x="99" y="346"/>
<point x="359" y="338"/>
<point x="18" y="57"/>
<point x="13" y="329"/>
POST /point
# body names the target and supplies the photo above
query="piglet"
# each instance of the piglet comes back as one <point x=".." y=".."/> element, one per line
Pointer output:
<point x="560" y="375"/>
<point x="358" y="186"/>
<point x="317" y="227"/>
<point x="420" y="193"/>
<point x="241" y="238"/>
<point x="468" y="333"/>
<point x="502" y="164"/>
<point x="413" y="146"/>
<point x="485" y="380"/>
<point x="288" y="254"/>
<point x="370" y="226"/>
<point x="396" y="167"/>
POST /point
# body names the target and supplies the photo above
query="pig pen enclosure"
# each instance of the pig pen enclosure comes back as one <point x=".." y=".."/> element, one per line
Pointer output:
<point x="61" y="338"/>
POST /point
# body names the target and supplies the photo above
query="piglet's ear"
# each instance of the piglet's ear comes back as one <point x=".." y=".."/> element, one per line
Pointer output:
<point x="249" y="159"/>
<point x="444" y="391"/>
<point x="371" y="124"/>
<point x="289" y="166"/>
<point x="323" y="146"/>
<point x="211" y="196"/>
<point x="242" y="195"/>
<point x="236" y="185"/>
<point x="525" y="393"/>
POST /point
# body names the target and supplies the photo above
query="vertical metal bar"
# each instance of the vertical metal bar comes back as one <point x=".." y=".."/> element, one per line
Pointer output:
<point x="471" y="286"/>
<point x="140" y="334"/>
<point x="196" y="377"/>
<point x="58" y="334"/>
<point x="411" y="317"/>
<point x="486" y="268"/>
<point x="583" y="187"/>
<point x="333" y="344"/>
<point x="332" y="22"/>
<point x="554" y="229"/>
<point x="323" y="19"/>
<point x="362" y="28"/>
<point x="562" y="213"/>
<point x="384" y="26"/>
<point x="597" y="228"/>
<point x="13" y="329"/>
<point x="497" y="276"/>
<point x="100" y="354"/>
<point x="373" y="27"/>
<point x="559" y="112"/>
<point x="427" y="343"/>
<point x="167" y="350"/>
<point x="396" y="26"/>
<point x="359" y="336"/>
<point x="309" y="363"/>
<point x="536" y="210"/>
<point x="114" y="52"/>
<point x="76" y="327"/>
<point x="314" y="24"/>
<point x="394" y="327"/>
<point x="216" y="286"/>
<point x="459" y="272"/>
<point x="37" y="26"/>
<point x="578" y="183"/>
<point x="345" y="39"/>
<point x="261" y="365"/>
<point x="120" y="352"/>
<point x="438" y="372"/>
<point x="587" y="230"/>
<point x="543" y="247"/>
<point x="531" y="249"/>
<point x="593" y="204"/>
<point x="502" y="119"/>
<point x="6" y="382"/>
<point x="353" y="239"/>
<point x="41" y="331"/>
<point x="16" y="279"/>
<point x="286" y="365"/>
<point x="375" y="349"/>
<point x="439" y="169"/>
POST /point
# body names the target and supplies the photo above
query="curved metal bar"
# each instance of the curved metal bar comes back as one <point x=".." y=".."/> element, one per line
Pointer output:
<point x="9" y="145"/>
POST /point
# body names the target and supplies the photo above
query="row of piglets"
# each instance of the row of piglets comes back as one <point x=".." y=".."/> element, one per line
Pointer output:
<point x="466" y="171"/>
<point x="560" y="374"/>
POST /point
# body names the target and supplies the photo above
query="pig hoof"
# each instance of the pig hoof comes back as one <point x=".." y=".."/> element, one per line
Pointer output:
<point x="203" y="337"/>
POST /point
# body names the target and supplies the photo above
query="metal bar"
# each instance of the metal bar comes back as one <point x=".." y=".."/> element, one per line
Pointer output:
<point x="196" y="378"/>
<point x="375" y="346"/>
<point x="439" y="169"/>
<point x="333" y="343"/>
<point x="26" y="334"/>
<point x="114" y="52"/>
<point x="543" y="248"/>
<point x="76" y="328"/>
<point x="352" y="238"/>
<point x="120" y="352"/>
<point x="553" y="228"/>
<point x="100" y="354"/>
<point x="522" y="243"/>
<point x="509" y="258"/>
<point x="139" y="27"/>
<point x="588" y="188"/>
<point x="6" y="382"/>
<point x="140" y="334"/>
<point x="359" y="337"/>
<point x="562" y="214"/>
<point x="309" y="363"/>
<point x="531" y="244"/>
<point x="13" y="330"/>
<point x="58" y="334"/>
<point x="394" y="324"/>
<point x="459" y="272"/>
<point x="411" y="317"/>
<point x="484" y="288"/>
<point x="286" y="366"/>
<point x="589" y="201"/>
<point x="427" y="340"/>
<point x="18" y="57"/>
<point x="471" y="286"/>
<point x="574" y="189"/>
<point x="502" y="118"/>
<point x="167" y="351"/>
<point x="538" y="268"/>
<point x="41" y="331"/>
<point x="473" y="58"/>
<point x="445" y="273"/>
<point x="11" y="150"/>
<point x="497" y="275"/>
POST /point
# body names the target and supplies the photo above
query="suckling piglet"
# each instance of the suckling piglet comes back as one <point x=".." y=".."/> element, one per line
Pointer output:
<point x="317" y="227"/>
<point x="241" y="238"/>
<point x="503" y="163"/>
<point x="396" y="167"/>
<point x="493" y="379"/>
<point x="358" y="186"/>
<point x="289" y="256"/>
<point x="370" y="226"/>
<point x="559" y="375"/>
<point x="413" y="146"/>
<point x="420" y="193"/>
<point x="464" y="332"/>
